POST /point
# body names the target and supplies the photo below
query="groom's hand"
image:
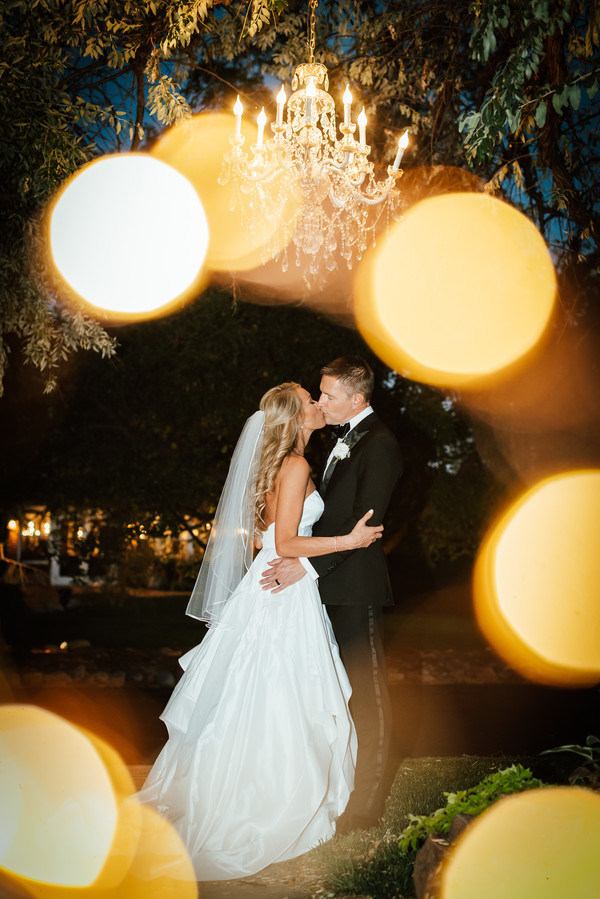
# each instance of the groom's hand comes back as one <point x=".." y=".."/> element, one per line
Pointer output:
<point x="282" y="573"/>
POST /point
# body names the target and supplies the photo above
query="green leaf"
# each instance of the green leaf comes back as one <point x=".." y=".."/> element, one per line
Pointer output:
<point x="557" y="104"/>
<point x="514" y="119"/>
<point x="575" y="96"/>
<point x="540" y="114"/>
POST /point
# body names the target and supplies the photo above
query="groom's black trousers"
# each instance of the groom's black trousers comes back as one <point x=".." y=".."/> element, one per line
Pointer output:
<point x="359" y="633"/>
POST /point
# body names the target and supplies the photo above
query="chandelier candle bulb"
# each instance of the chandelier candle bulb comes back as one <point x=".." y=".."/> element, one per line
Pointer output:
<point x="261" y="122"/>
<point x="281" y="98"/>
<point x="402" y="145"/>
<point x="311" y="92"/>
<point x="362" y="124"/>
<point x="237" y="111"/>
<point x="347" y="105"/>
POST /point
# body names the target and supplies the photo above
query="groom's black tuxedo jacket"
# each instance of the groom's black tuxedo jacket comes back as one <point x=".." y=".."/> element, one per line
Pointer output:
<point x="364" y="480"/>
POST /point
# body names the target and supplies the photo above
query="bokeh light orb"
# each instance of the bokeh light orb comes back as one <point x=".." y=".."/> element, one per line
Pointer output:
<point x="540" y="844"/>
<point x="160" y="867"/>
<point x="463" y="288"/>
<point x="537" y="582"/>
<point x="71" y="825"/>
<point x="196" y="148"/>
<point x="129" y="235"/>
<point x="59" y="812"/>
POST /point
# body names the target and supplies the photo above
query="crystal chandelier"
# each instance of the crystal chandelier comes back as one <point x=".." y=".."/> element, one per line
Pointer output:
<point x="317" y="190"/>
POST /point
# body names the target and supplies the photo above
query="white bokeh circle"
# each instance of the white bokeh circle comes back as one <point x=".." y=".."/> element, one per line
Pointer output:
<point x="129" y="234"/>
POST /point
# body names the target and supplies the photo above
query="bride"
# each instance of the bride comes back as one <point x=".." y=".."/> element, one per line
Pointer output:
<point x="261" y="751"/>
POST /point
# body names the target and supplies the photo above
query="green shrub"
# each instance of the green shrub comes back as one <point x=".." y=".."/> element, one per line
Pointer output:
<point x="139" y="567"/>
<point x="513" y="779"/>
<point x="589" y="774"/>
<point x="384" y="869"/>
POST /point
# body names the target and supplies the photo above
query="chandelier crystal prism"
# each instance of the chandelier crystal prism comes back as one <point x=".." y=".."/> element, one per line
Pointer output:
<point x="318" y="190"/>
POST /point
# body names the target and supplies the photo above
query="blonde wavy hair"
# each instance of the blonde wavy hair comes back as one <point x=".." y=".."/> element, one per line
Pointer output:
<point x="282" y="407"/>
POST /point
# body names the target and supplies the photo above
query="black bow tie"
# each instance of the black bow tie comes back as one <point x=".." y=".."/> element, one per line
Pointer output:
<point x="340" y="431"/>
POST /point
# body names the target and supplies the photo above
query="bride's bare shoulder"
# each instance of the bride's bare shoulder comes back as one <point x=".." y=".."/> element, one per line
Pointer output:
<point x="295" y="460"/>
<point x="294" y="466"/>
<point x="294" y="477"/>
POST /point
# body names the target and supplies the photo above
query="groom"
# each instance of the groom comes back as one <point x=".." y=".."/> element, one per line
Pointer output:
<point x="360" y="474"/>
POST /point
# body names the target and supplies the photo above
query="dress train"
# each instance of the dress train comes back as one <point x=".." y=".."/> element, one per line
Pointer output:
<point x="262" y="749"/>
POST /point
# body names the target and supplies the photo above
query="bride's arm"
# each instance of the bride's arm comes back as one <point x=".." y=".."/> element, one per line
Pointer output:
<point x="293" y="482"/>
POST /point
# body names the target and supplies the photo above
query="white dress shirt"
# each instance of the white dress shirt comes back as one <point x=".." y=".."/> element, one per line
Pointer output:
<point x="353" y="422"/>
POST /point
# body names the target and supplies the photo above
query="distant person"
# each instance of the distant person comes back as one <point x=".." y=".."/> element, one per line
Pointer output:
<point x="260" y="758"/>
<point x="360" y="472"/>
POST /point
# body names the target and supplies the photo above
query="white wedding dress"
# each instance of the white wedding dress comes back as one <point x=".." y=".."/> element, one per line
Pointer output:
<point x="262" y="749"/>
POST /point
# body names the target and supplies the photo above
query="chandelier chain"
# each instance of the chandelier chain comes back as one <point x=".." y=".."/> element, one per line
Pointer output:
<point x="312" y="27"/>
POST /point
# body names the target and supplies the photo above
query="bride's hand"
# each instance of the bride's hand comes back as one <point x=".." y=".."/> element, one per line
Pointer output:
<point x="362" y="535"/>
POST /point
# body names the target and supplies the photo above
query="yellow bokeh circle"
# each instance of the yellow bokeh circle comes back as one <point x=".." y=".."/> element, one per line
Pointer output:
<point x="537" y="582"/>
<point x="71" y="826"/>
<point x="540" y="844"/>
<point x="129" y="235"/>
<point x="59" y="811"/>
<point x="463" y="288"/>
<point x="241" y="237"/>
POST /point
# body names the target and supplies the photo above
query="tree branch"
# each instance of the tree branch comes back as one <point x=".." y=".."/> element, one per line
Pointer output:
<point x="140" y="88"/>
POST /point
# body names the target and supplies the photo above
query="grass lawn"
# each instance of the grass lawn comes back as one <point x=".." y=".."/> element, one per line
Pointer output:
<point x="148" y="620"/>
<point x="112" y="620"/>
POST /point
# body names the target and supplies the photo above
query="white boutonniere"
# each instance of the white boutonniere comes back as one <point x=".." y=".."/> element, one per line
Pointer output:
<point x="341" y="450"/>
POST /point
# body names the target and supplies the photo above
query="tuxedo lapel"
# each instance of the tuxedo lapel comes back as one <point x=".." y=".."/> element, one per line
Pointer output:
<point x="326" y="476"/>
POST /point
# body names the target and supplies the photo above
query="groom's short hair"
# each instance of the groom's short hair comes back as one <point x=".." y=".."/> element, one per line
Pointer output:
<point x="353" y="373"/>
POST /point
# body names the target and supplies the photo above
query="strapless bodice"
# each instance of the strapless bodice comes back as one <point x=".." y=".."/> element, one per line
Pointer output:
<point x="311" y="512"/>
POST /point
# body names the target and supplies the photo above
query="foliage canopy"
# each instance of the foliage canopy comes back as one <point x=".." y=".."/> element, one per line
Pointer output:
<point x="141" y="442"/>
<point x="504" y="86"/>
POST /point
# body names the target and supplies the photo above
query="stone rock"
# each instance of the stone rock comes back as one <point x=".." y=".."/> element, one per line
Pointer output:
<point x="427" y="865"/>
<point x="164" y="679"/>
<point x="489" y="675"/>
<point x="58" y="679"/>
<point x="458" y="825"/>
<point x="13" y="678"/>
